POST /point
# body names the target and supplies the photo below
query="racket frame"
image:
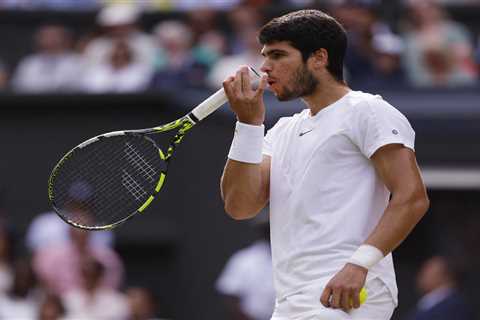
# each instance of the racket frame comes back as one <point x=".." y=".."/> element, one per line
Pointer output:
<point x="184" y="124"/>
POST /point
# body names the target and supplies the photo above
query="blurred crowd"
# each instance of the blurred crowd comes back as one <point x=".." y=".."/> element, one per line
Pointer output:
<point x="63" y="273"/>
<point x="203" y="45"/>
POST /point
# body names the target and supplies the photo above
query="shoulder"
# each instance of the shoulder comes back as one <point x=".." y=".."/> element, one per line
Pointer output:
<point x="359" y="101"/>
<point x="361" y="105"/>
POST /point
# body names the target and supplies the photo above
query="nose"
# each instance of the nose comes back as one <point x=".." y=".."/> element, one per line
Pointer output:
<point x="266" y="67"/>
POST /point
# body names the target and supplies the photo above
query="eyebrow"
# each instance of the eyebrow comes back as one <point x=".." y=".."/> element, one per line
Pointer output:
<point x="272" y="51"/>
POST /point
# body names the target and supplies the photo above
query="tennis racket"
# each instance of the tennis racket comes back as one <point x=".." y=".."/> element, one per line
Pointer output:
<point x="110" y="178"/>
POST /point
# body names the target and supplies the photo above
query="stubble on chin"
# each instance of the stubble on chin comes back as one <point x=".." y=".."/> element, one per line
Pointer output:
<point x="301" y="84"/>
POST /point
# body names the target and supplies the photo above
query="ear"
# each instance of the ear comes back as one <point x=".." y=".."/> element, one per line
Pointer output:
<point x="319" y="59"/>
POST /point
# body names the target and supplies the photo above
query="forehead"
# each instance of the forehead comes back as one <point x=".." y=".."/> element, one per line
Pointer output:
<point x="280" y="46"/>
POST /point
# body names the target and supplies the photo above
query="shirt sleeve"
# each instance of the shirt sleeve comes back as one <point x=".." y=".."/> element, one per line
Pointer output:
<point x="375" y="123"/>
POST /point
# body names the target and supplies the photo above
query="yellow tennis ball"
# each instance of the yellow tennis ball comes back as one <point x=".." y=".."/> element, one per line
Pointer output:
<point x="363" y="295"/>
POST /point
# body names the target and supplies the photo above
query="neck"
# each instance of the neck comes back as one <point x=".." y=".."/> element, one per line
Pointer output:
<point x="325" y="94"/>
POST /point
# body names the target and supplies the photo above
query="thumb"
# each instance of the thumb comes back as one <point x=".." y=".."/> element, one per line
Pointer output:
<point x="261" y="86"/>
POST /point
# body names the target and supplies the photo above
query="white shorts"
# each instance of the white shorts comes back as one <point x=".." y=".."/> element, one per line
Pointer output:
<point x="306" y="305"/>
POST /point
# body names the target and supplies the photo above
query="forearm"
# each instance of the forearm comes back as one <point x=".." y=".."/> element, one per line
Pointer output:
<point x="243" y="189"/>
<point x="245" y="180"/>
<point x="398" y="220"/>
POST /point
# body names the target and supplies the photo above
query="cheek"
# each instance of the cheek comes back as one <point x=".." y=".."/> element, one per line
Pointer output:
<point x="284" y="76"/>
<point x="284" y="70"/>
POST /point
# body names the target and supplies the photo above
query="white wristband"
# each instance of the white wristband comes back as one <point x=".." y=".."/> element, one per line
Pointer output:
<point x="366" y="256"/>
<point x="247" y="144"/>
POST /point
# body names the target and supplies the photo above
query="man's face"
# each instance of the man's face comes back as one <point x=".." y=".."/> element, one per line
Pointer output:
<point x="288" y="76"/>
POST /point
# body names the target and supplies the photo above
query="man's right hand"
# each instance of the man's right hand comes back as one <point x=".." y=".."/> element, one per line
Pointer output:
<point x="246" y="102"/>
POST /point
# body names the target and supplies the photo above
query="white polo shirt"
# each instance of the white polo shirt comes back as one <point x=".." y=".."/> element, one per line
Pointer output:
<point x="325" y="196"/>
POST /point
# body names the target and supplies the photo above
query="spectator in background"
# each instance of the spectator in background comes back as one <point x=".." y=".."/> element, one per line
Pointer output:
<point x="362" y="25"/>
<point x="49" y="230"/>
<point x="247" y="279"/>
<point x="91" y="300"/>
<point x="53" y="68"/>
<point x="20" y="301"/>
<point x="477" y="56"/>
<point x="209" y="48"/>
<point x="119" y="26"/>
<point x="244" y="44"/>
<point x="3" y="76"/>
<point x="438" y="51"/>
<point x="122" y="73"/>
<point x="175" y="64"/>
<point x="51" y="308"/>
<point x="241" y="18"/>
<point x="228" y="65"/>
<point x="201" y="21"/>
<point x="6" y="272"/>
<point x="195" y="5"/>
<point x="387" y="66"/>
<point x="441" y="300"/>
<point x="58" y="267"/>
<point x="141" y="304"/>
<point x="50" y="4"/>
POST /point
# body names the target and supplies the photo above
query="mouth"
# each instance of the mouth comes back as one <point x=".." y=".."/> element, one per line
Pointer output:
<point x="271" y="84"/>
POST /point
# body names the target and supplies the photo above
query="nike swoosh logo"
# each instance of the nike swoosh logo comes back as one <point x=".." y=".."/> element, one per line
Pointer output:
<point x="305" y="132"/>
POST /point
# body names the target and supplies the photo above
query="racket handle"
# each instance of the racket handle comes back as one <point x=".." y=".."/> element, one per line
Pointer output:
<point x="209" y="105"/>
<point x="216" y="100"/>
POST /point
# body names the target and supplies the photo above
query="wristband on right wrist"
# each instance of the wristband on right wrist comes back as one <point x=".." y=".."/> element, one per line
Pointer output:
<point x="366" y="256"/>
<point x="247" y="144"/>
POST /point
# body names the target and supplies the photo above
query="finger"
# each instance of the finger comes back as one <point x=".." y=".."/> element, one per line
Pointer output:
<point x="356" y="298"/>
<point x="245" y="77"/>
<point x="227" y="86"/>
<point x="346" y="302"/>
<point x="237" y="83"/>
<point x="261" y="86"/>
<point x="325" y="298"/>
<point x="336" y="300"/>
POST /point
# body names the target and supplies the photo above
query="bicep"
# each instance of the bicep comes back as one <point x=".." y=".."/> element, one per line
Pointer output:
<point x="397" y="167"/>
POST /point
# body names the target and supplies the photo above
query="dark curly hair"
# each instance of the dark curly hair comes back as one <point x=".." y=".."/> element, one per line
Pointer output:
<point x="308" y="31"/>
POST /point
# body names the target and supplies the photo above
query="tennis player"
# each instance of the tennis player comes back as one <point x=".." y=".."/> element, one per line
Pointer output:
<point x="341" y="176"/>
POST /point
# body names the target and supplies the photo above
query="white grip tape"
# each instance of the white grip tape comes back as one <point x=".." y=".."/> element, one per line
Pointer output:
<point x="218" y="99"/>
<point x="247" y="144"/>
<point x="366" y="256"/>
<point x="211" y="104"/>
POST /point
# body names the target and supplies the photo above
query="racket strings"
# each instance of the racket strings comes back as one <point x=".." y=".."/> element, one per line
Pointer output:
<point x="139" y="162"/>
<point x="119" y="173"/>
<point x="93" y="169"/>
<point x="135" y="189"/>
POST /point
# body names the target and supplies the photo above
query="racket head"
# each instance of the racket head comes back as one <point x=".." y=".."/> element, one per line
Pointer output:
<point x="106" y="180"/>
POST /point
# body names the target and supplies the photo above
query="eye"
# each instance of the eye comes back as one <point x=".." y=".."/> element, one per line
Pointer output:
<point x="276" y="55"/>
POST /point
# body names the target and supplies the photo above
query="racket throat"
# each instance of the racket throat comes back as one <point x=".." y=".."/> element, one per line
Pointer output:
<point x="177" y="139"/>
